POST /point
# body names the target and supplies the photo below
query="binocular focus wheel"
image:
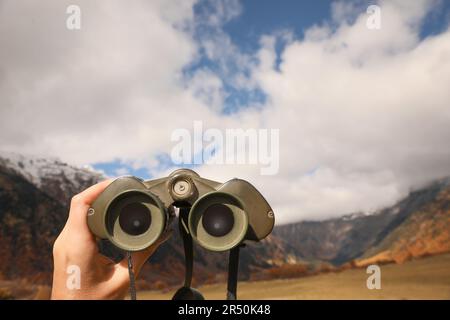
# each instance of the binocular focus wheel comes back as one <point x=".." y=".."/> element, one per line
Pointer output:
<point x="135" y="220"/>
<point x="218" y="222"/>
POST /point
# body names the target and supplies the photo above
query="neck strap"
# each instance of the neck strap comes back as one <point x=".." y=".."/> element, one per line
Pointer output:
<point x="233" y="268"/>
<point x="187" y="244"/>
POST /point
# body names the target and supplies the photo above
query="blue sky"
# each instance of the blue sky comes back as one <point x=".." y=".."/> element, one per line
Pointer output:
<point x="254" y="19"/>
<point x="265" y="16"/>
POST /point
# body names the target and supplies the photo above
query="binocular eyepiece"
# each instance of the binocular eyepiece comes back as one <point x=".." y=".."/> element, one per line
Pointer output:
<point x="133" y="214"/>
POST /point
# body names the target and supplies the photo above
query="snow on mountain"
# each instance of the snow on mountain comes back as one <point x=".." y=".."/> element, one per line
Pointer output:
<point x="50" y="173"/>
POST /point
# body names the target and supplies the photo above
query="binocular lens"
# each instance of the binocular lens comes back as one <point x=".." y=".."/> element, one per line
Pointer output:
<point x="218" y="220"/>
<point x="135" y="218"/>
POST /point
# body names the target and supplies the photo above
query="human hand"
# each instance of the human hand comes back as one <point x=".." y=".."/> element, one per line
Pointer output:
<point x="100" y="278"/>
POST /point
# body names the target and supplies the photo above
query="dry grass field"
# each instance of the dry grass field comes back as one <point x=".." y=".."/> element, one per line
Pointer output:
<point x="426" y="278"/>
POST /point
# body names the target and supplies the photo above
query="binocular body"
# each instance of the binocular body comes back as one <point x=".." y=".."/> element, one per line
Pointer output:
<point x="133" y="213"/>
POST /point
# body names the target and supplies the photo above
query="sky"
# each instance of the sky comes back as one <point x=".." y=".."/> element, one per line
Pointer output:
<point x="363" y="115"/>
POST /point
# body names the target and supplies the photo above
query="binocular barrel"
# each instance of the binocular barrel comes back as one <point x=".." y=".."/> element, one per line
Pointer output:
<point x="133" y="214"/>
<point x="128" y="215"/>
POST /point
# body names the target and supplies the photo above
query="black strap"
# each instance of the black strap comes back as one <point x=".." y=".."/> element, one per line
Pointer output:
<point x="233" y="268"/>
<point x="188" y="247"/>
<point x="132" y="277"/>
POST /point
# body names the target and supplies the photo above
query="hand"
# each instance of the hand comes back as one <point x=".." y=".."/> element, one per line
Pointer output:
<point x="100" y="278"/>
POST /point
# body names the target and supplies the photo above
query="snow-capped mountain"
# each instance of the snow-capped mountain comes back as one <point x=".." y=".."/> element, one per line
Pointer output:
<point x="51" y="175"/>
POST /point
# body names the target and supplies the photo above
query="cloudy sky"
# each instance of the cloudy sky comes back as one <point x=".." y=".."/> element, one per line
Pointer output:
<point x="364" y="115"/>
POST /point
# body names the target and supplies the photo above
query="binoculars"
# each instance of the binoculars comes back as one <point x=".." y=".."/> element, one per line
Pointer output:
<point x="133" y="214"/>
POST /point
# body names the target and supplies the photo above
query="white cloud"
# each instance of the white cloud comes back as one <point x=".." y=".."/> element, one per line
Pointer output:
<point x="103" y="92"/>
<point x="368" y="109"/>
<point x="363" y="114"/>
<point x="208" y="87"/>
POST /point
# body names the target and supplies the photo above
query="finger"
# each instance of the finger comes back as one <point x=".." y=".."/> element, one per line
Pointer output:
<point x="81" y="202"/>
<point x="88" y="196"/>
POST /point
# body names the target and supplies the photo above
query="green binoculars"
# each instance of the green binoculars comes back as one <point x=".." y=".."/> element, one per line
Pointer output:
<point x="132" y="214"/>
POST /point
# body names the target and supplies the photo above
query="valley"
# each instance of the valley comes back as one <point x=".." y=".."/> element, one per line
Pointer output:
<point x="425" y="278"/>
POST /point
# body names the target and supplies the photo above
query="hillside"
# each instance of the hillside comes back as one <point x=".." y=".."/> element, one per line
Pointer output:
<point x="34" y="198"/>
<point x="425" y="232"/>
<point x="419" y="223"/>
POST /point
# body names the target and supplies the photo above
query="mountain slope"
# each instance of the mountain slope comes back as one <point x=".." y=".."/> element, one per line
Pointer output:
<point x="425" y="232"/>
<point x="33" y="209"/>
<point x="423" y="214"/>
<point x="25" y="211"/>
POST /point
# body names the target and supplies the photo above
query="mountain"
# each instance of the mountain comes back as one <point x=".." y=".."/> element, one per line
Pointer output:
<point x="417" y="225"/>
<point x="34" y="194"/>
<point x="34" y="198"/>
<point x="426" y="231"/>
